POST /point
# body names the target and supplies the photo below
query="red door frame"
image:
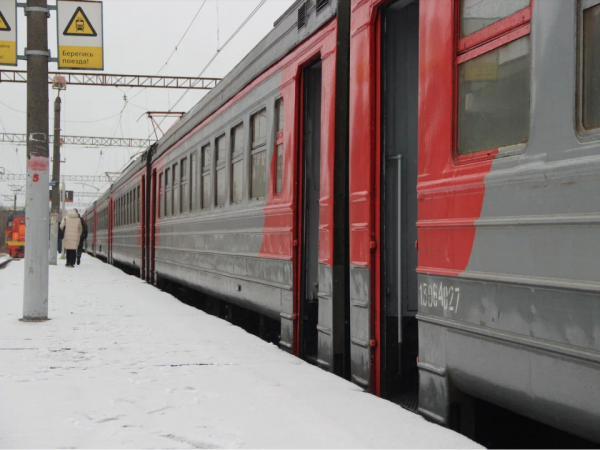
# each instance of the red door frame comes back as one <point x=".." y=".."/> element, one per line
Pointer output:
<point x="142" y="219"/>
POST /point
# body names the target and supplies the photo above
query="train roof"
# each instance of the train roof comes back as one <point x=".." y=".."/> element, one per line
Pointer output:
<point x="286" y="35"/>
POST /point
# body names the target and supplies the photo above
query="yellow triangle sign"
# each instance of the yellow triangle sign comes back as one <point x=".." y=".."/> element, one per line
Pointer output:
<point x="79" y="25"/>
<point x="4" y="26"/>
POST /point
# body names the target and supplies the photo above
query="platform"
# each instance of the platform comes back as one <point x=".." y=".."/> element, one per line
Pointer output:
<point x="122" y="364"/>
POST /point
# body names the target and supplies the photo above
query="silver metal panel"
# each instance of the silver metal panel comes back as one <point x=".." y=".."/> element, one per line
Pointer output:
<point x="360" y="325"/>
<point x="325" y="327"/>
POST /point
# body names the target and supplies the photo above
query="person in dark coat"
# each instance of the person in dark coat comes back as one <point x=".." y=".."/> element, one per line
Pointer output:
<point x="83" y="237"/>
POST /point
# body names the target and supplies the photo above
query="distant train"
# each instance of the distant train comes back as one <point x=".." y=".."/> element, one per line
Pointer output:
<point x="390" y="180"/>
<point x="15" y="234"/>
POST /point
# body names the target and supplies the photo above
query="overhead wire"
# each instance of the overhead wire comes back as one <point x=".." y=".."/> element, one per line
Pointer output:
<point x="243" y="24"/>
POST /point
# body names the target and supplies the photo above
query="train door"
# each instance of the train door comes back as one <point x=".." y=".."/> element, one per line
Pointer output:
<point x="310" y="195"/>
<point x="153" y="213"/>
<point x="111" y="215"/>
<point x="142" y="219"/>
<point x="399" y="84"/>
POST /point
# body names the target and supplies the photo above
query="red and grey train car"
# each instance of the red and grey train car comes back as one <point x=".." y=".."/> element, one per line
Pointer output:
<point x="408" y="188"/>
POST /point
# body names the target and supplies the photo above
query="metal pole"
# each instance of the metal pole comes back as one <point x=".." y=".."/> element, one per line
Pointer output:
<point x="63" y="197"/>
<point x="35" y="298"/>
<point x="54" y="211"/>
<point x="15" y="204"/>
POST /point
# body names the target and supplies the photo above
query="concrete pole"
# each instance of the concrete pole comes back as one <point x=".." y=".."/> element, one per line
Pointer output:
<point x="54" y="211"/>
<point x="35" y="298"/>
<point x="63" y="194"/>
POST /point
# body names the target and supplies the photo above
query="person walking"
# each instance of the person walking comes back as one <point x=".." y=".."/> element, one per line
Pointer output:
<point x="84" y="235"/>
<point x="71" y="225"/>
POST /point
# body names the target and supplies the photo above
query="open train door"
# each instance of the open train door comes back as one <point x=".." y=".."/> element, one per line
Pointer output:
<point x="383" y="200"/>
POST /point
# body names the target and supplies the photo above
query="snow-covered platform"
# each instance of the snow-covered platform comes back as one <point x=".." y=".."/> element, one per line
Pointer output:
<point x="122" y="364"/>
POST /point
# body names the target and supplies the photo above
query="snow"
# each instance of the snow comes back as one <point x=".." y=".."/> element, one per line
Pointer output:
<point x="3" y="258"/>
<point x="124" y="365"/>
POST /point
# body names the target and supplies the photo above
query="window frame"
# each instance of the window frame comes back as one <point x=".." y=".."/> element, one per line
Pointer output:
<point x="205" y="149"/>
<point x="193" y="180"/>
<point x="236" y="157"/>
<point x="279" y="110"/>
<point x="160" y="196"/>
<point x="257" y="147"/>
<point x="584" y="134"/>
<point x="489" y="38"/>
<point x="220" y="165"/>
<point x="183" y="185"/>
<point x="167" y="192"/>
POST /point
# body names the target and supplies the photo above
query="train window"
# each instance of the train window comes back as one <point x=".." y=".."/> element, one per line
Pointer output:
<point x="206" y="162"/>
<point x="220" y="171"/>
<point x="193" y="177"/>
<point x="258" y="155"/>
<point x="183" y="193"/>
<point x="139" y="206"/>
<point x="175" y="190"/>
<point x="493" y="100"/>
<point x="161" y="198"/>
<point x="237" y="163"/>
<point x="590" y="71"/>
<point x="279" y="145"/>
<point x="167" y="192"/>
<point x="476" y="15"/>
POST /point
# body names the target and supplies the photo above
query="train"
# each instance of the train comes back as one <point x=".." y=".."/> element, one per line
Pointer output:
<point x="408" y="189"/>
<point x="15" y="234"/>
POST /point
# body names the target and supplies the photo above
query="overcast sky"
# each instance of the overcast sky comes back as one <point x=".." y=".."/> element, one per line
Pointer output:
<point x="139" y="37"/>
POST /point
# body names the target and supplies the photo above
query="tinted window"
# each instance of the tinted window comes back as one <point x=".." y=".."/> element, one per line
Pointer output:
<point x="591" y="67"/>
<point x="161" y="199"/>
<point x="279" y="175"/>
<point x="220" y="175"/>
<point x="258" y="155"/>
<point x="167" y="192"/>
<point x="206" y="162"/>
<point x="237" y="163"/>
<point x="193" y="182"/>
<point x="478" y="14"/>
<point x="259" y="171"/>
<point x="185" y="203"/>
<point x="493" y="98"/>
<point x="175" y="191"/>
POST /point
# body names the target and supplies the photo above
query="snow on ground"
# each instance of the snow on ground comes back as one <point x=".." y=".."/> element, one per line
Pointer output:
<point x="3" y="258"/>
<point x="122" y="364"/>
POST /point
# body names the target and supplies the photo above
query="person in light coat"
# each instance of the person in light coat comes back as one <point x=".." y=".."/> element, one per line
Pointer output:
<point x="71" y="225"/>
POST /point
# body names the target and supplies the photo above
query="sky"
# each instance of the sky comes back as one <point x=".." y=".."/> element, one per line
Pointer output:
<point x="139" y="38"/>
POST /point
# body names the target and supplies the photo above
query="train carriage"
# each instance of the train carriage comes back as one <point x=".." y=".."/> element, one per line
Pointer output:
<point x="243" y="187"/>
<point x="407" y="188"/>
<point x="128" y="208"/>
<point x="479" y="221"/>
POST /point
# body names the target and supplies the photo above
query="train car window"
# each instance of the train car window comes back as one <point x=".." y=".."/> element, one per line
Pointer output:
<point x="167" y="192"/>
<point x="237" y="163"/>
<point x="175" y="190"/>
<point x="258" y="155"/>
<point x="161" y="198"/>
<point x="193" y="178"/>
<point x="206" y="162"/>
<point x="494" y="80"/>
<point x="279" y="145"/>
<point x="476" y="15"/>
<point x="220" y="171"/>
<point x="129" y="208"/>
<point x="590" y="95"/>
<point x="183" y="192"/>
<point x="139" y="206"/>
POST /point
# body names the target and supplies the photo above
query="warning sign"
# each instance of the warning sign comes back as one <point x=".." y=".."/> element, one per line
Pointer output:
<point x="79" y="25"/>
<point x="80" y="39"/>
<point x="8" y="33"/>
<point x="4" y="26"/>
